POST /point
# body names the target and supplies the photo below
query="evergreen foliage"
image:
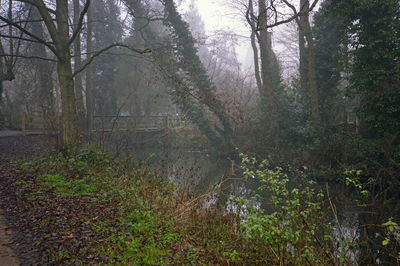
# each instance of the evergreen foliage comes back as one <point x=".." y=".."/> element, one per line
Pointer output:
<point x="331" y="48"/>
<point x="107" y="29"/>
<point x="191" y="64"/>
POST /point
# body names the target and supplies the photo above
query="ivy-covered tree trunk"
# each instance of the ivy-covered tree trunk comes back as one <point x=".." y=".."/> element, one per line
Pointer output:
<point x="206" y="90"/>
<point x="193" y="103"/>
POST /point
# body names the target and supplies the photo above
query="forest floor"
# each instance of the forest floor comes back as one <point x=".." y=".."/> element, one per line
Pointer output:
<point x="83" y="208"/>
<point x="87" y="209"/>
<point x="16" y="246"/>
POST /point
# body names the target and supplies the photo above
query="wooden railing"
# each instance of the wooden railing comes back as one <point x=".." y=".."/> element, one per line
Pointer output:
<point x="36" y="123"/>
<point x="107" y="123"/>
<point x="150" y="123"/>
<point x="32" y="123"/>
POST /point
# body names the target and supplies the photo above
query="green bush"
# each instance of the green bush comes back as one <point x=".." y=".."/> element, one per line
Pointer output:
<point x="293" y="231"/>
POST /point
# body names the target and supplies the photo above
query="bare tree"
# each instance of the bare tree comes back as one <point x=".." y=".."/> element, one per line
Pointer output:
<point x="7" y="61"/>
<point x="44" y="70"/>
<point x="60" y="39"/>
<point x="308" y="76"/>
<point x="270" y="14"/>
<point x="89" y="78"/>
<point x="77" y="64"/>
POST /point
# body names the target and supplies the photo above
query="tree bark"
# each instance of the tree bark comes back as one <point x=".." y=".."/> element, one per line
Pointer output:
<point x="44" y="71"/>
<point x="267" y="93"/>
<point x="303" y="65"/>
<point x="69" y="117"/>
<point x="77" y="65"/>
<point x="249" y="17"/>
<point x="308" y="60"/>
<point x="64" y="68"/>
<point x="89" y="78"/>
<point x="198" y="74"/>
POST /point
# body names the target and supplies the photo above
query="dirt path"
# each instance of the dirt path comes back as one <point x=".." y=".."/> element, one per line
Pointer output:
<point x="15" y="247"/>
<point x="7" y="256"/>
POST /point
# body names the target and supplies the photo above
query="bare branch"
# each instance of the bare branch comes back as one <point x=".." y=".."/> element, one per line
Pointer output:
<point x="90" y="60"/>
<point x="295" y="15"/>
<point x="22" y="29"/>
<point x="31" y="57"/>
<point x="33" y="4"/>
<point x="79" y="26"/>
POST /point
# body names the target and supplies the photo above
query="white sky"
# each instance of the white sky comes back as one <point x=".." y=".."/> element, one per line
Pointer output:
<point x="220" y="15"/>
<point x="217" y="15"/>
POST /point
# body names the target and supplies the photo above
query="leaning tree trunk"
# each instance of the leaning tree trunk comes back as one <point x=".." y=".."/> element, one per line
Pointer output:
<point x="195" y="69"/>
<point x="192" y="107"/>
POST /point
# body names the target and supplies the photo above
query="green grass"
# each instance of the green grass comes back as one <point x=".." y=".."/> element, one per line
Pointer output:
<point x="139" y="218"/>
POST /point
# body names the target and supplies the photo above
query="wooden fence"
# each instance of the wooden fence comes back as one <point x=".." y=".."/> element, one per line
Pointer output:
<point x="35" y="123"/>
<point x="108" y="123"/>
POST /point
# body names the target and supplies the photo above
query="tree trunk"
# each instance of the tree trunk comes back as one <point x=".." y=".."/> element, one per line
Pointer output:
<point x="249" y="16"/>
<point x="314" y="97"/>
<point x="198" y="75"/>
<point x="69" y="118"/>
<point x="303" y="65"/>
<point x="78" y="62"/>
<point x="311" y="80"/>
<point x="89" y="79"/>
<point x="2" y="124"/>
<point x="44" y="70"/>
<point x="267" y="93"/>
<point x="64" y="69"/>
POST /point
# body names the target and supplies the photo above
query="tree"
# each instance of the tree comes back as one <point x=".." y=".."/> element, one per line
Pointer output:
<point x="267" y="70"/>
<point x="106" y="30"/>
<point x="56" y="20"/>
<point x="176" y="56"/>
<point x="267" y="74"/>
<point x="89" y="70"/>
<point x="190" y="62"/>
<point x="375" y="72"/>
<point x="77" y="65"/>
<point x="308" y="78"/>
<point x="44" y="69"/>
<point x="331" y="56"/>
<point x="7" y="61"/>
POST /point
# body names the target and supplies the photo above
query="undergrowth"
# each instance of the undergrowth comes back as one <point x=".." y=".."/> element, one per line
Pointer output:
<point x="126" y="213"/>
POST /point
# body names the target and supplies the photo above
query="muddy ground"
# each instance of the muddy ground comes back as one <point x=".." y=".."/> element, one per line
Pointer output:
<point x="16" y="242"/>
